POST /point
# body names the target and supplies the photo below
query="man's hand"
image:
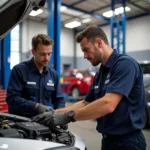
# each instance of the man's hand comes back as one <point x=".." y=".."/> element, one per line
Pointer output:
<point x="61" y="119"/>
<point x="43" y="108"/>
<point x="44" y="118"/>
<point x="64" y="127"/>
<point x="52" y="119"/>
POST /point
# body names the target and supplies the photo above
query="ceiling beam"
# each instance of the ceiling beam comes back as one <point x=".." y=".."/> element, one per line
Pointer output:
<point x="86" y="12"/>
<point x="77" y="2"/>
<point x="98" y="9"/>
<point x="140" y="7"/>
<point x="128" y="18"/>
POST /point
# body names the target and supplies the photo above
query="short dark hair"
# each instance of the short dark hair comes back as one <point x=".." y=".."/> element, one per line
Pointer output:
<point x="92" y="32"/>
<point x="41" y="38"/>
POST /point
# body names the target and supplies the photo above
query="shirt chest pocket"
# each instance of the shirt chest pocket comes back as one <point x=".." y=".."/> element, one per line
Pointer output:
<point x="31" y="90"/>
<point x="48" y="91"/>
<point x="100" y="92"/>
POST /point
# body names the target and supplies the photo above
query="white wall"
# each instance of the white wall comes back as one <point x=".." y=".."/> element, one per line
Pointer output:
<point x="137" y="39"/>
<point x="137" y="35"/>
<point x="31" y="28"/>
<point x="67" y="42"/>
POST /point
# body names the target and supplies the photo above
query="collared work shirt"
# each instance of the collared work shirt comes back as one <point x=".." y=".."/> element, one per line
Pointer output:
<point x="121" y="74"/>
<point x="27" y="87"/>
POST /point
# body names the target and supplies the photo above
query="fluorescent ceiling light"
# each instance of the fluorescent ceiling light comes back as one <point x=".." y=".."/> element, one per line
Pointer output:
<point x="63" y="8"/>
<point x="35" y="13"/>
<point x="86" y="20"/>
<point x="72" y="24"/>
<point x="117" y="11"/>
<point x="120" y="10"/>
<point x="85" y="16"/>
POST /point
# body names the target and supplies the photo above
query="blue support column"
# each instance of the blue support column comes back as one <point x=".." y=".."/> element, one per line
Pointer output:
<point x="50" y="24"/>
<point x="5" y="61"/>
<point x="75" y="51"/>
<point x="57" y="36"/>
<point x="118" y="36"/>
<point x="112" y="27"/>
<point x="54" y="31"/>
<point x="124" y="28"/>
<point x="118" y="28"/>
<point x="6" y="58"/>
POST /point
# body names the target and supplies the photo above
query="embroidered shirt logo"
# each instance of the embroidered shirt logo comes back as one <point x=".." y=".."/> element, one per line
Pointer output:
<point x="96" y="87"/>
<point x="108" y="76"/>
<point x="107" y="79"/>
<point x="50" y="83"/>
<point x="31" y="83"/>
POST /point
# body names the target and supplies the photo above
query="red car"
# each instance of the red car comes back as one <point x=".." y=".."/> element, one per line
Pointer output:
<point x="76" y="82"/>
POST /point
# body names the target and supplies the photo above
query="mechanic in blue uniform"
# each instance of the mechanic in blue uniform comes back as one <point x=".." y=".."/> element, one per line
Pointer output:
<point x="116" y="97"/>
<point x="33" y="84"/>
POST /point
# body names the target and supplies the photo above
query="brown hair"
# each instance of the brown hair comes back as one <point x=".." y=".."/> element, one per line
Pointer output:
<point x="41" y="38"/>
<point x="91" y="32"/>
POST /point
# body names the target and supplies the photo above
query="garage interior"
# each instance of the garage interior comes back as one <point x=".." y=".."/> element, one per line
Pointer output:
<point x="127" y="28"/>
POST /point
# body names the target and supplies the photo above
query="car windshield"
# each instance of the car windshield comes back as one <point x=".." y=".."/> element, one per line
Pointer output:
<point x="146" y="68"/>
<point x="86" y="73"/>
<point x="66" y="74"/>
<point x="77" y="73"/>
<point x="81" y="73"/>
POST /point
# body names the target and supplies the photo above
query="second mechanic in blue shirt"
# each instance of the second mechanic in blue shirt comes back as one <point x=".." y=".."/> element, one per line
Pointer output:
<point x="33" y="85"/>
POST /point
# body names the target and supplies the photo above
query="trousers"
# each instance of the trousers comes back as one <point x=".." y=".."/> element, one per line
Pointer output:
<point x="131" y="141"/>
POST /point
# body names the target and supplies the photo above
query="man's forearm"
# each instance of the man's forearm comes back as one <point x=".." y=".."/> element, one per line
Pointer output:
<point x="98" y="108"/>
<point x="75" y="106"/>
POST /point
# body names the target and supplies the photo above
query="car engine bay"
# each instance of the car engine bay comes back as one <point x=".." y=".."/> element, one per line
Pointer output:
<point x="13" y="126"/>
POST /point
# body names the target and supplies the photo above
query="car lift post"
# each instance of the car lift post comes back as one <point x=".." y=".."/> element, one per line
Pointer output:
<point x="54" y="30"/>
<point x="118" y="28"/>
<point x="4" y="61"/>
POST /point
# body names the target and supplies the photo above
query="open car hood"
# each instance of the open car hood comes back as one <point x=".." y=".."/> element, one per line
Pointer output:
<point x="12" y="12"/>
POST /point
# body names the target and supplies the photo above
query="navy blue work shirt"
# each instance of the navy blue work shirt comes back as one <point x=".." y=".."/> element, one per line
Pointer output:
<point x="121" y="74"/>
<point x="27" y="87"/>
